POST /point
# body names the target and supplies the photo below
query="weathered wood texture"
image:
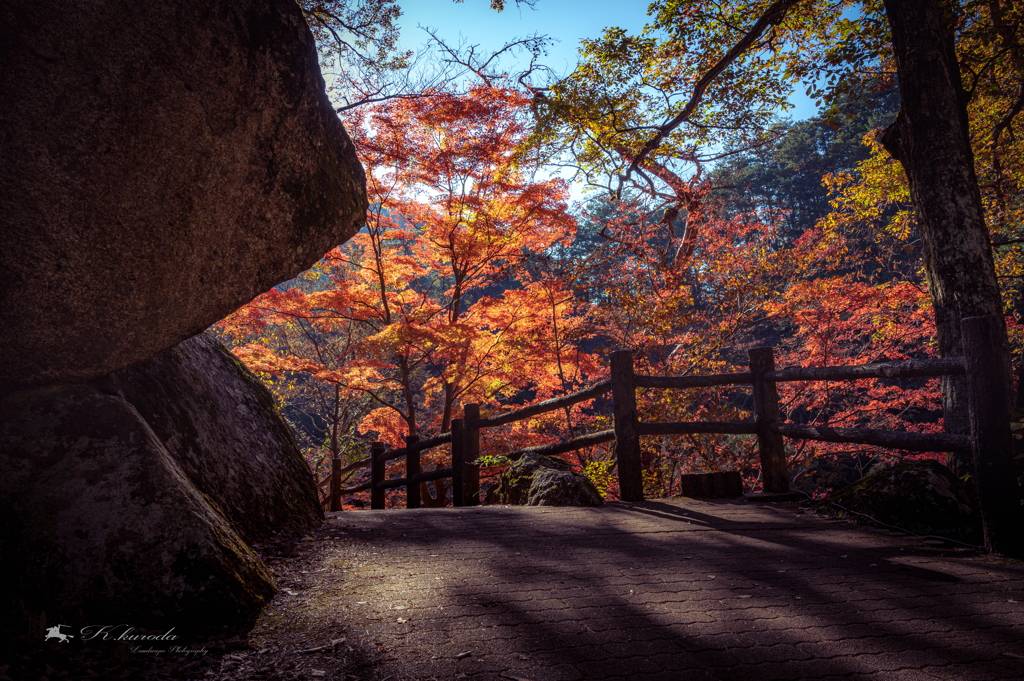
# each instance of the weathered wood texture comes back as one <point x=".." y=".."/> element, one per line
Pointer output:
<point x="412" y="469"/>
<point x="590" y="393"/>
<point x="692" y="427"/>
<point x="357" y="488"/>
<point x="766" y="412"/>
<point x="471" y="477"/>
<point x="913" y="442"/>
<point x="458" y="433"/>
<point x="572" y="445"/>
<point x="377" y="472"/>
<point x="627" y="427"/>
<point x="911" y="368"/>
<point x="904" y="369"/>
<point x="346" y="469"/>
<point x="720" y="485"/>
<point x="991" y="438"/>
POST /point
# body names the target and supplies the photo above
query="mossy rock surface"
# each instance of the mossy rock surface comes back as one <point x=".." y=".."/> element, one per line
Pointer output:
<point x="922" y="497"/>
<point x="536" y="480"/>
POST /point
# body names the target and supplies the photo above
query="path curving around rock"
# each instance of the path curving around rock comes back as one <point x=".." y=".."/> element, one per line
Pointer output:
<point x="663" y="590"/>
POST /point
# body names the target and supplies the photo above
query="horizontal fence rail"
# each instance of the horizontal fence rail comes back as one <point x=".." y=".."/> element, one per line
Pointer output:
<point x="358" y="488"/>
<point x="911" y="368"/>
<point x="542" y="407"/>
<point x="429" y="443"/>
<point x="426" y="476"/>
<point x="347" y="469"/>
<point x="937" y="442"/>
<point x="572" y="445"/>
<point x="683" y="382"/>
<point x="913" y="442"/>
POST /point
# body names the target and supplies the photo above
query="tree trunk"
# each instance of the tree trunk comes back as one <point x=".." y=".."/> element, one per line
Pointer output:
<point x="335" y="503"/>
<point x="449" y="400"/>
<point x="930" y="139"/>
<point x="407" y="394"/>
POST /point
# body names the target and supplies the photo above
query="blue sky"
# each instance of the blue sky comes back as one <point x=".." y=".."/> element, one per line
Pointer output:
<point x="568" y="21"/>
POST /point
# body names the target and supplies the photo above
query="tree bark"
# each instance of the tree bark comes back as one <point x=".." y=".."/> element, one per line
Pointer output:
<point x="930" y="139"/>
<point x="335" y="504"/>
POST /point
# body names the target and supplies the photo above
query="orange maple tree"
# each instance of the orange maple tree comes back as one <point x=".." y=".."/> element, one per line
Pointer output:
<point x="436" y="295"/>
<point x="686" y="307"/>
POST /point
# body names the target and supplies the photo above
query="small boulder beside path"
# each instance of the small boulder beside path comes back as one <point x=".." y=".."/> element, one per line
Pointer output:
<point x="921" y="497"/>
<point x="536" y="480"/>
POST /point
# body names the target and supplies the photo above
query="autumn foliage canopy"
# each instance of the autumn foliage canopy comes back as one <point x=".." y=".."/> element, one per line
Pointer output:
<point x="474" y="281"/>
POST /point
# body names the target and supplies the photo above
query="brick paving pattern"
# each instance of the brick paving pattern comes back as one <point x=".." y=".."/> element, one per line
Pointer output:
<point x="666" y="590"/>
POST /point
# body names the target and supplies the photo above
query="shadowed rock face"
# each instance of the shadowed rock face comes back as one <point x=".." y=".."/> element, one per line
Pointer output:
<point x="135" y="497"/>
<point x="164" y="163"/>
<point x="923" y="497"/>
<point x="220" y="425"/>
<point x="97" y="517"/>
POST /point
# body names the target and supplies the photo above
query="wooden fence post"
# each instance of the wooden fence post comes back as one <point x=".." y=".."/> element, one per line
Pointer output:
<point x="458" y="461"/>
<point x="471" y="477"/>
<point x="335" y="504"/>
<point x="377" y="468"/>
<point x="766" y="411"/>
<point x="991" y="438"/>
<point x="627" y="427"/>
<point x="412" y="467"/>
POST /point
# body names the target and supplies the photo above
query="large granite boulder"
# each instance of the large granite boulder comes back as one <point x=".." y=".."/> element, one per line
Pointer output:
<point x="132" y="498"/>
<point x="536" y="480"/>
<point x="221" y="426"/>
<point x="923" y="497"/>
<point x="96" y="517"/>
<point x="164" y="163"/>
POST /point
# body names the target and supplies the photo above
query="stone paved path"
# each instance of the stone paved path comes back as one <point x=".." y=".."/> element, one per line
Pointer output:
<point x="664" y="590"/>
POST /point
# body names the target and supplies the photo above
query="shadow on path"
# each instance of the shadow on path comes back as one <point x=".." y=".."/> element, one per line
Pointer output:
<point x="674" y="589"/>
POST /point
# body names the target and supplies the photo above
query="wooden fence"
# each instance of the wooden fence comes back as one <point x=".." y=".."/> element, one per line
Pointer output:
<point x="990" y="439"/>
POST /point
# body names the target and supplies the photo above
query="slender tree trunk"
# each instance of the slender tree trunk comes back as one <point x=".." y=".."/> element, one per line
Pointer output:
<point x="449" y="399"/>
<point x="335" y="504"/>
<point x="337" y="417"/>
<point x="930" y="139"/>
<point x="410" y="404"/>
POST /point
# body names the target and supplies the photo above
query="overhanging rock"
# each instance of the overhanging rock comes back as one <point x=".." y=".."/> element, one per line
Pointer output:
<point x="164" y="163"/>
